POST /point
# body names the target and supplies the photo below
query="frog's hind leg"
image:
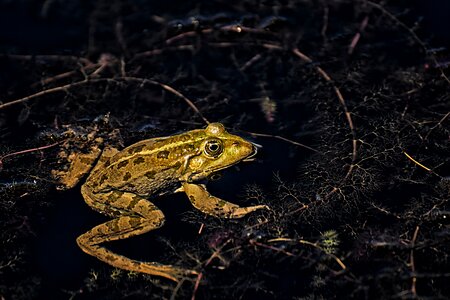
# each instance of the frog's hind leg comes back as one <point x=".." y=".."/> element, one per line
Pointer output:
<point x="81" y="164"/>
<point x="137" y="216"/>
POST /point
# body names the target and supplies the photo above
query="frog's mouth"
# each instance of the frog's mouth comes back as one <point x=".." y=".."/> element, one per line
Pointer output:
<point x="205" y="173"/>
<point x="251" y="157"/>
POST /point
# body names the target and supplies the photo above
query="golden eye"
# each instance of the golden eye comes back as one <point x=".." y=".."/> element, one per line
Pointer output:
<point x="213" y="148"/>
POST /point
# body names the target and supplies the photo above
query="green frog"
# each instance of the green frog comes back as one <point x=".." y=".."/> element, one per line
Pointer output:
<point x="121" y="182"/>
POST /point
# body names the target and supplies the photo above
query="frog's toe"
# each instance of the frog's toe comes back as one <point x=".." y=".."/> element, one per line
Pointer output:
<point x="239" y="212"/>
<point x="256" y="207"/>
<point x="182" y="275"/>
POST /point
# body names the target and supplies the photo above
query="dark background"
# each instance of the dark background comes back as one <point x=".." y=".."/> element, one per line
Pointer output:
<point x="380" y="209"/>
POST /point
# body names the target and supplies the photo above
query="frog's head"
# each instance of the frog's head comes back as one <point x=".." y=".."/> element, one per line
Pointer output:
<point x="219" y="150"/>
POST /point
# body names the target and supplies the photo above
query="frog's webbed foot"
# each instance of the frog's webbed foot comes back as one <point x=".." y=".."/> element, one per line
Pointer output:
<point x="211" y="205"/>
<point x="135" y="216"/>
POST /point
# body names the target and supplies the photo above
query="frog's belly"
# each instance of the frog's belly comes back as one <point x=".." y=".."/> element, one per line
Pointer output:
<point x="159" y="183"/>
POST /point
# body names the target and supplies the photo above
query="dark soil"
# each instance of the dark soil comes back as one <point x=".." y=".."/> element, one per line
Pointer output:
<point x="349" y="99"/>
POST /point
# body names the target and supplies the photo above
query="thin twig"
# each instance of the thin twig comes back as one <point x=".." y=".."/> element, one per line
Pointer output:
<point x="302" y="207"/>
<point x="357" y="36"/>
<point x="253" y="242"/>
<point x="419" y="164"/>
<point x="439" y="123"/>
<point x="283" y="139"/>
<point x="337" y="259"/>
<point x="384" y="210"/>
<point x="48" y="80"/>
<point x="44" y="92"/>
<point x="227" y="28"/>
<point x="187" y="34"/>
<point x="26" y="151"/>
<point x="176" y="289"/>
<point x="160" y="51"/>
<point x="215" y="254"/>
<point x="200" y="230"/>
<point x="197" y="283"/>
<point x="412" y="263"/>
<point x="250" y="62"/>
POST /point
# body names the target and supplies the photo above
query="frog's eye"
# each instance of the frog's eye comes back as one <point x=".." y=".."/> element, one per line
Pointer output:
<point x="213" y="148"/>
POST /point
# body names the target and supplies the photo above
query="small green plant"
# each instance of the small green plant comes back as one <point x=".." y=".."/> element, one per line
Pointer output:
<point x="330" y="241"/>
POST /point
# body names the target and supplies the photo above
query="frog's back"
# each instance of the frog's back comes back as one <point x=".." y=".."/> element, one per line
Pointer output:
<point x="151" y="166"/>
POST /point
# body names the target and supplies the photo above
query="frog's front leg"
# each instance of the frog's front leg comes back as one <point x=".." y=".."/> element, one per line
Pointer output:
<point x="205" y="202"/>
<point x="135" y="216"/>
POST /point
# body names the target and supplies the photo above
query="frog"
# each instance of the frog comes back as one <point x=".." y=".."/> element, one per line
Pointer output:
<point x="121" y="184"/>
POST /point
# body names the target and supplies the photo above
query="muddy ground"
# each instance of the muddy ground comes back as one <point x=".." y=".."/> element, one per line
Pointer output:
<point x="349" y="99"/>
